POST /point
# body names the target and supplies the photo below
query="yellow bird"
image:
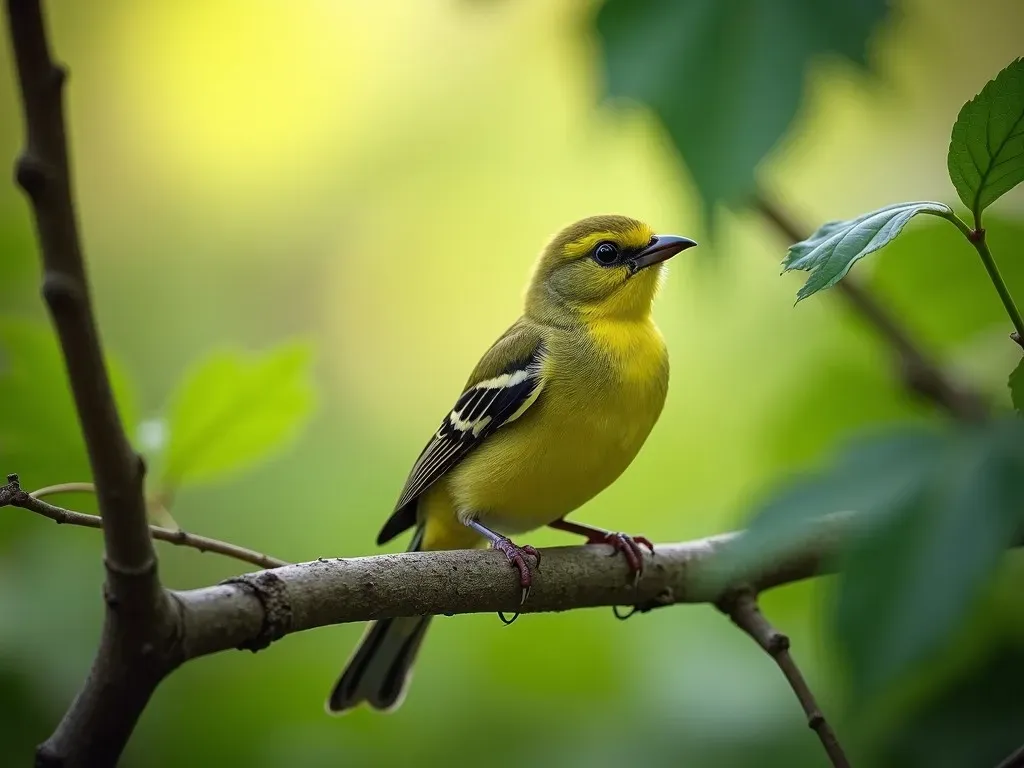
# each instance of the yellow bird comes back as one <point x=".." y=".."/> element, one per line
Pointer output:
<point x="554" y="412"/>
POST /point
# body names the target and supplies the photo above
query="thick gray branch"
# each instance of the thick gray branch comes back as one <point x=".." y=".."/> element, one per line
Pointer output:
<point x="255" y="609"/>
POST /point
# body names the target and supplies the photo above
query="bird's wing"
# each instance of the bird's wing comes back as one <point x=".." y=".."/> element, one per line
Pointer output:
<point x="504" y="384"/>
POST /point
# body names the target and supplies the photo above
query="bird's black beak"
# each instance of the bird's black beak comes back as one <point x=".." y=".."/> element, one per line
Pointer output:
<point x="662" y="248"/>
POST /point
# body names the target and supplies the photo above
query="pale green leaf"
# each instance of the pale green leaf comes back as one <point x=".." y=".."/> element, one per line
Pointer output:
<point x="235" y="409"/>
<point x="831" y="252"/>
<point x="986" y="150"/>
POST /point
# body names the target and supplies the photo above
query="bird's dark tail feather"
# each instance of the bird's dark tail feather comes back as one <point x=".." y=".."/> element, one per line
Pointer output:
<point x="380" y="669"/>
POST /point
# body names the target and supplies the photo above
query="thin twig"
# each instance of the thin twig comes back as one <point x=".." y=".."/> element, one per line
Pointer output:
<point x="742" y="608"/>
<point x="179" y="537"/>
<point x="919" y="372"/>
<point x="53" y="490"/>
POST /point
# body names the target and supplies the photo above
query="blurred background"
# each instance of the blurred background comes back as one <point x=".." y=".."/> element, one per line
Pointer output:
<point x="374" y="180"/>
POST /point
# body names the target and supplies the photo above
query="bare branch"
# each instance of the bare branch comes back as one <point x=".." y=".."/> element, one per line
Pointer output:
<point x="742" y="608"/>
<point x="919" y="373"/>
<point x="255" y="609"/>
<point x="43" y="173"/>
<point x="179" y="537"/>
<point x="139" y="624"/>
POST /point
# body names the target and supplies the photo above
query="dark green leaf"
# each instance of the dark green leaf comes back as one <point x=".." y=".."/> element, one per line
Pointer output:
<point x="975" y="721"/>
<point x="912" y="580"/>
<point x="726" y="76"/>
<point x="930" y="513"/>
<point x="986" y="150"/>
<point x="1017" y="387"/>
<point x="235" y="409"/>
<point x="872" y="476"/>
<point x="832" y="251"/>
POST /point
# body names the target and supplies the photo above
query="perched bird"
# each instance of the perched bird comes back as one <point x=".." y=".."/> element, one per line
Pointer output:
<point x="552" y="414"/>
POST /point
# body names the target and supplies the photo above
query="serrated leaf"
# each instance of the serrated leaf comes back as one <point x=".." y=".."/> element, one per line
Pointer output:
<point x="831" y="252"/>
<point x="908" y="586"/>
<point x="726" y="77"/>
<point x="1016" y="384"/>
<point x="986" y="149"/>
<point x="235" y="409"/>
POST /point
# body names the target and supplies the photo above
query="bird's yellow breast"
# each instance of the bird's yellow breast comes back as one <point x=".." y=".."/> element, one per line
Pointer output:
<point x="582" y="433"/>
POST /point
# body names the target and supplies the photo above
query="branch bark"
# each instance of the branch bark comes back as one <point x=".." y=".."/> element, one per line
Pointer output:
<point x="919" y="372"/>
<point x="139" y="621"/>
<point x="254" y="609"/>
<point x="742" y="608"/>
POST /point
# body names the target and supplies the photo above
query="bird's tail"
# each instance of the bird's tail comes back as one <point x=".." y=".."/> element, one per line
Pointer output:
<point x="380" y="669"/>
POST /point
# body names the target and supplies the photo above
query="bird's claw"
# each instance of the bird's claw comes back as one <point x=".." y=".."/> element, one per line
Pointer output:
<point x="516" y="557"/>
<point x="630" y="547"/>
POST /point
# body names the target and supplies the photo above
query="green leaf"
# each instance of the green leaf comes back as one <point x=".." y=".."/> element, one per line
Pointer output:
<point x="726" y="77"/>
<point x="986" y="150"/>
<point x="1017" y="387"/>
<point x="832" y="251"/>
<point x="911" y="582"/>
<point x="234" y="410"/>
<point x="931" y="512"/>
<point x="975" y="720"/>
<point x="874" y="474"/>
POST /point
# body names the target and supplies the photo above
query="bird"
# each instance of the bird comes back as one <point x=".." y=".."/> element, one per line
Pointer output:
<point x="554" y="412"/>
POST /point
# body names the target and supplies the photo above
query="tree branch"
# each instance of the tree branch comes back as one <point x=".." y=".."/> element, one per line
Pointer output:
<point x="919" y="373"/>
<point x="149" y="631"/>
<point x="33" y="503"/>
<point x="254" y="609"/>
<point x="139" y="622"/>
<point x="742" y="608"/>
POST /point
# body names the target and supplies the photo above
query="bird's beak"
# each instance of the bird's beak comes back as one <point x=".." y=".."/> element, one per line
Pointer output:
<point x="664" y="247"/>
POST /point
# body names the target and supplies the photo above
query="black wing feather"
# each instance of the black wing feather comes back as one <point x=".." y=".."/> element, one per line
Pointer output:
<point x="479" y="411"/>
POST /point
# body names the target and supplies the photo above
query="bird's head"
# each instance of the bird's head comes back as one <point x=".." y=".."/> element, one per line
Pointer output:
<point x="602" y="266"/>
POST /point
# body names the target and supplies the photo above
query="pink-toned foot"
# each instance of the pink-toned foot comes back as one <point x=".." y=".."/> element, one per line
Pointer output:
<point x="516" y="557"/>
<point x="629" y="546"/>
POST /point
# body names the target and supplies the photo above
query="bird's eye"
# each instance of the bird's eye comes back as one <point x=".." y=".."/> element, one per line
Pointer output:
<point x="606" y="253"/>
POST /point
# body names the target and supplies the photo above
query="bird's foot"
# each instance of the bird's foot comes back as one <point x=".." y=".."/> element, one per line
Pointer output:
<point x="516" y="557"/>
<point x="629" y="546"/>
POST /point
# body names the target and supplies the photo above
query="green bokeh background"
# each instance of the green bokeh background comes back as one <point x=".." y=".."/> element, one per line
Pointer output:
<point x="377" y="177"/>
